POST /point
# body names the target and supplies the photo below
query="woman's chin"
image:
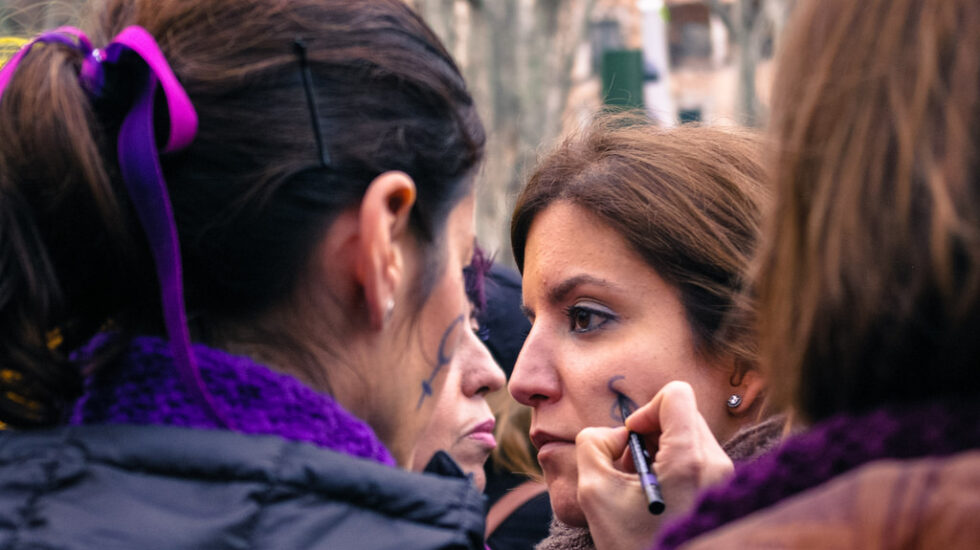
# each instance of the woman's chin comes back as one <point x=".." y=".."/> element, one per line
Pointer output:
<point x="564" y="502"/>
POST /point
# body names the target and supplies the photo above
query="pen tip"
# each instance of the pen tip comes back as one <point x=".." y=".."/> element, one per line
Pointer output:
<point x="624" y="407"/>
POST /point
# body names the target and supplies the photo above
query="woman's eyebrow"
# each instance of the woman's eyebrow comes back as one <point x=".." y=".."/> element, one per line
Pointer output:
<point x="561" y="291"/>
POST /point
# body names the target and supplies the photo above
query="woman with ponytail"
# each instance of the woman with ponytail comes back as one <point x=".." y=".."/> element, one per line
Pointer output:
<point x="232" y="235"/>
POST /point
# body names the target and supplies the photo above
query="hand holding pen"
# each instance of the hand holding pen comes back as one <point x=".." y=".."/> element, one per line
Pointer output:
<point x="642" y="463"/>
<point x="615" y="506"/>
<point x="673" y="415"/>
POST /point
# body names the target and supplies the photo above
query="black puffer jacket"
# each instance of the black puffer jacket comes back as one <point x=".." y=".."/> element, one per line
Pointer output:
<point x="148" y="487"/>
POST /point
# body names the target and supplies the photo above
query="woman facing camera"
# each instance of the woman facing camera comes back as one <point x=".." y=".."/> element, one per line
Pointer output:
<point x="633" y="242"/>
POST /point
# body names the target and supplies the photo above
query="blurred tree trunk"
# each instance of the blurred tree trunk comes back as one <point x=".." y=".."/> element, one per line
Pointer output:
<point x="517" y="58"/>
<point x="750" y="24"/>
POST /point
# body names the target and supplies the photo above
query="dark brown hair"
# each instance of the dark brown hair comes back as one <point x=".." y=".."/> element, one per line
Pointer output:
<point x="250" y="196"/>
<point x="869" y="289"/>
<point x="686" y="199"/>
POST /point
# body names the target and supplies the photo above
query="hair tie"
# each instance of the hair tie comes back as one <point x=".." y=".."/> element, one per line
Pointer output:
<point x="92" y="75"/>
<point x="140" y="167"/>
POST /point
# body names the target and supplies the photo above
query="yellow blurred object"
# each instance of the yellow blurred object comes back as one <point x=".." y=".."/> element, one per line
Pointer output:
<point x="23" y="401"/>
<point x="54" y="338"/>
<point x="9" y="46"/>
<point x="10" y="376"/>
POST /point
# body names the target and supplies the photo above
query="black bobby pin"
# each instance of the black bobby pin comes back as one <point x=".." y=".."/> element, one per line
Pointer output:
<point x="304" y="66"/>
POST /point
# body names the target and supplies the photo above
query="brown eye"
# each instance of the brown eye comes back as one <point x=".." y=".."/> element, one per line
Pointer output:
<point x="582" y="319"/>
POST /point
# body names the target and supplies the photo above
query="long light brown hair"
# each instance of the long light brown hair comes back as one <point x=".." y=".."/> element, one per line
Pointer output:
<point x="869" y="281"/>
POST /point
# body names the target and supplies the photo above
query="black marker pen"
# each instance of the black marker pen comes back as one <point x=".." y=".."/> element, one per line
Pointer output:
<point x="641" y="460"/>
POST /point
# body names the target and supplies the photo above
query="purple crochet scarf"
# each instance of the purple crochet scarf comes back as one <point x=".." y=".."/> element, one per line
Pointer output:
<point x="829" y="449"/>
<point x="143" y="387"/>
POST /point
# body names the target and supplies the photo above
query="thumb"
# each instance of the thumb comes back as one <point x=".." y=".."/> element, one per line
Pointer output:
<point x="596" y="452"/>
<point x="612" y="499"/>
<point x="597" y="444"/>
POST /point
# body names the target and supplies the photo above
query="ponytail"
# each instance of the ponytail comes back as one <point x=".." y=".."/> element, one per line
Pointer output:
<point x="83" y="132"/>
<point x="59" y="217"/>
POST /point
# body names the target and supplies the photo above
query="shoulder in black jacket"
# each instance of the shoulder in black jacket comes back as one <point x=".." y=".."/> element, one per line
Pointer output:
<point x="155" y="487"/>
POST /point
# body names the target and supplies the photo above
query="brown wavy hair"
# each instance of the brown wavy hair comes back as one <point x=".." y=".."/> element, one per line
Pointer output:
<point x="869" y="281"/>
<point x="688" y="200"/>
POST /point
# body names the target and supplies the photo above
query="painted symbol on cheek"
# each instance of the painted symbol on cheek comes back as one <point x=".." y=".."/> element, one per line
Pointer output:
<point x="441" y="360"/>
<point x="621" y="402"/>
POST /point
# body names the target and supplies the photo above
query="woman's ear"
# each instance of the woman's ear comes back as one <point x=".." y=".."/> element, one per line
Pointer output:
<point x="749" y="386"/>
<point x="383" y="224"/>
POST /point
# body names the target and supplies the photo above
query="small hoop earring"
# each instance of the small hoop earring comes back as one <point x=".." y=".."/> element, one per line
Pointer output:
<point x="734" y="401"/>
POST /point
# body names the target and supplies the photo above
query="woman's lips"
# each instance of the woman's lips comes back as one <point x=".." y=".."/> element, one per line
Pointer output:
<point x="548" y="443"/>
<point x="483" y="433"/>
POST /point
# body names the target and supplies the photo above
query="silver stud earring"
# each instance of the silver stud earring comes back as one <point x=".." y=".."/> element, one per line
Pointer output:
<point x="734" y="401"/>
<point x="389" y="308"/>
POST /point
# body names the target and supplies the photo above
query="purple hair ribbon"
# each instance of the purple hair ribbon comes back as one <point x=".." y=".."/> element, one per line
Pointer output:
<point x="140" y="166"/>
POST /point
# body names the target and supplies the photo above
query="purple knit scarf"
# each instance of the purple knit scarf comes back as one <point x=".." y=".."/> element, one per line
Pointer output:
<point x="143" y="387"/>
<point x="829" y="449"/>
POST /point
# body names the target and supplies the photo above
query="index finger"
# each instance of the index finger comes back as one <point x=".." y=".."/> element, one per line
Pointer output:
<point x="674" y="406"/>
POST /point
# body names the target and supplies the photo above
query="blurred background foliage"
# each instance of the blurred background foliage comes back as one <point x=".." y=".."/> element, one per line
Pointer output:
<point x="538" y="68"/>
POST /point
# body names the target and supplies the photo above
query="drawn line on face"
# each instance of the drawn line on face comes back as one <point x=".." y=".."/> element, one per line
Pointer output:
<point x="441" y="360"/>
<point x="622" y="405"/>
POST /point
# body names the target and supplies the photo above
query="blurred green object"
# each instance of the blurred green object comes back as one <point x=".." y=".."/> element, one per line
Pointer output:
<point x="622" y="78"/>
<point x="692" y="115"/>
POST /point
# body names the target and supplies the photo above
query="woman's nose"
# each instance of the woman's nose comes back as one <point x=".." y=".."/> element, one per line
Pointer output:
<point x="534" y="380"/>
<point x="482" y="374"/>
